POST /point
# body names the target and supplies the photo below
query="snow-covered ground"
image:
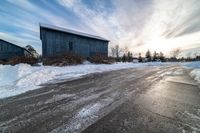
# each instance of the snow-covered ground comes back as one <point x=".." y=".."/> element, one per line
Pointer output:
<point x="195" y="73"/>
<point x="21" y="78"/>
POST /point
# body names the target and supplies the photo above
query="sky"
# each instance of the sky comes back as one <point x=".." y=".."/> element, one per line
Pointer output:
<point x="157" y="25"/>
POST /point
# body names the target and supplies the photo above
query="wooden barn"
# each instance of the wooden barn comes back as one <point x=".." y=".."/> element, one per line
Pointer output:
<point x="58" y="41"/>
<point x="9" y="50"/>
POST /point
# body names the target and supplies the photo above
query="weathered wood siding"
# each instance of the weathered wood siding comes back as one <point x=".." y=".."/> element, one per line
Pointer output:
<point x="8" y="50"/>
<point x="58" y="43"/>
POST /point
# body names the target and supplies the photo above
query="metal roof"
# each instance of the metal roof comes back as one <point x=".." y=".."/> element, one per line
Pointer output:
<point x="16" y="45"/>
<point x="71" y="31"/>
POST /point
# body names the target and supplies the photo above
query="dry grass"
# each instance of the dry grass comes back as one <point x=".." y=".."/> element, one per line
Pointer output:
<point x="64" y="60"/>
<point x="101" y="59"/>
<point x="22" y="59"/>
<point x="2" y="62"/>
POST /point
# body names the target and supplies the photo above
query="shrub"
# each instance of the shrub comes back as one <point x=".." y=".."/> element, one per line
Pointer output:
<point x="101" y="59"/>
<point x="112" y="59"/>
<point x="63" y="60"/>
<point x="22" y="59"/>
<point x="2" y="62"/>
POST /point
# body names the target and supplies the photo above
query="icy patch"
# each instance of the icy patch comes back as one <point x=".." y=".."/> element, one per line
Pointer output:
<point x="192" y="116"/>
<point x="88" y="114"/>
<point x="190" y="120"/>
<point x="198" y="112"/>
<point x="178" y="72"/>
<point x="166" y="74"/>
<point x="89" y="111"/>
<point x="85" y="116"/>
<point x="172" y="73"/>
<point x="58" y="98"/>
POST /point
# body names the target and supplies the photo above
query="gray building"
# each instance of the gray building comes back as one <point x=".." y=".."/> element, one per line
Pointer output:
<point x="58" y="41"/>
<point x="9" y="50"/>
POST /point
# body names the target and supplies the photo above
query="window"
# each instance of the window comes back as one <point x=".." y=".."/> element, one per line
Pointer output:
<point x="70" y="46"/>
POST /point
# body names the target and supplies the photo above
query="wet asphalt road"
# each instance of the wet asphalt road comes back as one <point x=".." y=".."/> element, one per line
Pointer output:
<point x="145" y="100"/>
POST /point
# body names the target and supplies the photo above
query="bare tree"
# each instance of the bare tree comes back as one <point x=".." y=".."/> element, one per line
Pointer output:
<point x="126" y="50"/>
<point x="176" y="52"/>
<point x="113" y="51"/>
<point x="116" y="51"/>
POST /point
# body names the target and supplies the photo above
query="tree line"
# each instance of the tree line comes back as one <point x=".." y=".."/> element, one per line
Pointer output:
<point x="125" y="55"/>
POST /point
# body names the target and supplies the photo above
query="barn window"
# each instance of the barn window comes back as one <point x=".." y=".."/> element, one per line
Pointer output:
<point x="70" y="46"/>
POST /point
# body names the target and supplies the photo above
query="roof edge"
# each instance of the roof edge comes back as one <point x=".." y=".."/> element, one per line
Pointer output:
<point x="57" y="28"/>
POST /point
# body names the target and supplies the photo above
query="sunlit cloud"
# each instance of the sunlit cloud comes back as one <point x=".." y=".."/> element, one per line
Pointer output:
<point x="141" y="25"/>
<point x="159" y="25"/>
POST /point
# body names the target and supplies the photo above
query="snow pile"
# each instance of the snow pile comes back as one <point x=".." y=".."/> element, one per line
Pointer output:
<point x="20" y="78"/>
<point x="195" y="73"/>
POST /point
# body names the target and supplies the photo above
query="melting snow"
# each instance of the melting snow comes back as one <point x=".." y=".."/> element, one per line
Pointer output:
<point x="90" y="110"/>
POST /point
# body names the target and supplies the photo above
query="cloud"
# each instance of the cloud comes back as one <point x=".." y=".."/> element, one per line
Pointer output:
<point x="97" y="21"/>
<point x="21" y="40"/>
<point x="138" y="24"/>
<point x="40" y="13"/>
<point x="21" y="24"/>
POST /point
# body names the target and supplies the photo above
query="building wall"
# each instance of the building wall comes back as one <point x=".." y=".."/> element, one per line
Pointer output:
<point x="8" y="50"/>
<point x="58" y="43"/>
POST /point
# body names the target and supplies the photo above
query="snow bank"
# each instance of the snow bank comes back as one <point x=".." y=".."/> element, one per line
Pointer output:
<point x="195" y="64"/>
<point x="18" y="79"/>
<point x="195" y="73"/>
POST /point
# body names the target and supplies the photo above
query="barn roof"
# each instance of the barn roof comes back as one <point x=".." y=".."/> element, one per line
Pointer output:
<point x="71" y="31"/>
<point x="15" y="45"/>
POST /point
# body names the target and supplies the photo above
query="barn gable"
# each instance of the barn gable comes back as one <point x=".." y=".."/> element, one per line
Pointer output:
<point x="58" y="41"/>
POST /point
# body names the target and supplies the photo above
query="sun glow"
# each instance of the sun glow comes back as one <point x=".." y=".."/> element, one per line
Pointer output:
<point x="159" y="44"/>
<point x="166" y="45"/>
